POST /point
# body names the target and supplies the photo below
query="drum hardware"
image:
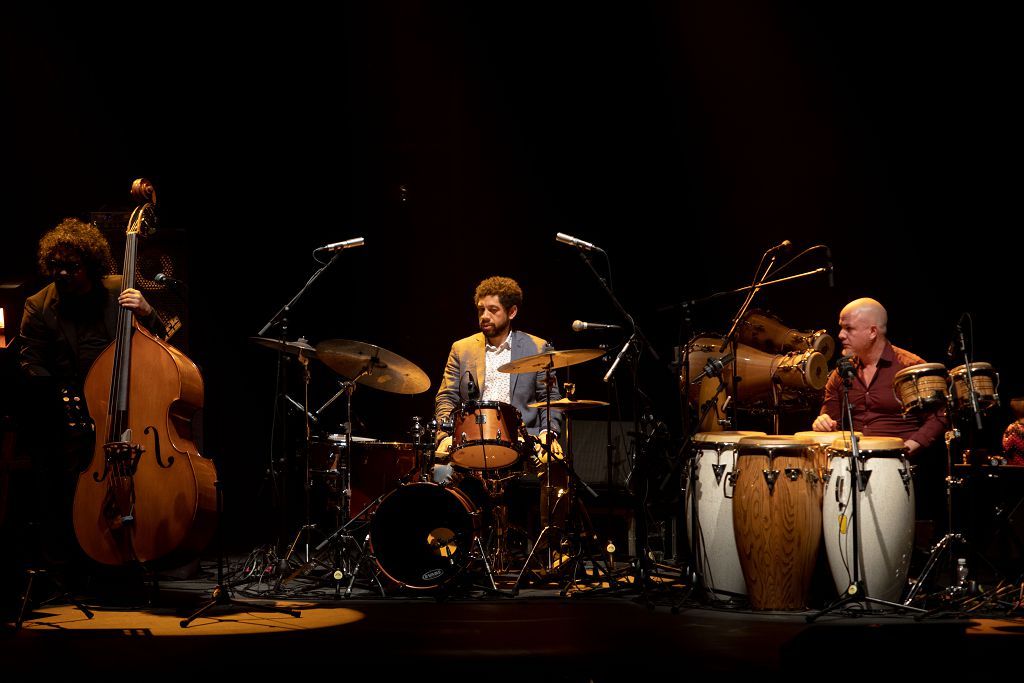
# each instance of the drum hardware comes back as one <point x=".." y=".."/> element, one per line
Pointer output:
<point x="575" y="532"/>
<point x="767" y="333"/>
<point x="964" y="386"/>
<point x="794" y="473"/>
<point x="857" y="590"/>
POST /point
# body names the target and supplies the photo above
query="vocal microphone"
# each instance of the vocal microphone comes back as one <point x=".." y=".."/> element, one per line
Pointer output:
<point x="782" y="246"/>
<point x="847" y="367"/>
<point x="167" y="281"/>
<point x="580" y="326"/>
<point x="338" y="246"/>
<point x="831" y="279"/>
<point x="578" y="243"/>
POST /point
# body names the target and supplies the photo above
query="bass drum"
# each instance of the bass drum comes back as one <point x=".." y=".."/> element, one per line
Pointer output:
<point x="422" y="535"/>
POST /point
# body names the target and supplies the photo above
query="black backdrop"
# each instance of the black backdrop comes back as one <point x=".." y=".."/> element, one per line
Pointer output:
<point x="458" y="139"/>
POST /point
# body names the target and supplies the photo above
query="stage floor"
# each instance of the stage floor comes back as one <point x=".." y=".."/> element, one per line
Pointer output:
<point x="587" y="635"/>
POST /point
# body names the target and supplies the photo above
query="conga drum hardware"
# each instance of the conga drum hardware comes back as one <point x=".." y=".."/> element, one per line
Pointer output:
<point x="986" y="385"/>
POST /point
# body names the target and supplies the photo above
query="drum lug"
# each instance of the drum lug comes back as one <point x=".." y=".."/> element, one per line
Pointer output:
<point x="812" y="476"/>
<point x="826" y="475"/>
<point x="793" y="473"/>
<point x="719" y="470"/>
<point x="905" y="476"/>
<point x="731" y="480"/>
<point x="865" y="475"/>
<point x="769" y="477"/>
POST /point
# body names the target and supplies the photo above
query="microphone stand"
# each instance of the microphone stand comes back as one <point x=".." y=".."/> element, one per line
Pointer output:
<point x="857" y="591"/>
<point x="637" y="340"/>
<point x="281" y="399"/>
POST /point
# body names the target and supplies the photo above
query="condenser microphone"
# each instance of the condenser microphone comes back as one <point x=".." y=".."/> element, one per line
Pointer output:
<point x="339" y="246"/>
<point x="575" y="242"/>
<point x="580" y="326"/>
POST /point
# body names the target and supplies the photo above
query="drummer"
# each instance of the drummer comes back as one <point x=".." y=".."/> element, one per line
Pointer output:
<point x="876" y="411"/>
<point x="477" y="358"/>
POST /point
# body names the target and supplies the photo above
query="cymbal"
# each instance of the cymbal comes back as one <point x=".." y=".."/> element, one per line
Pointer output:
<point x="554" y="359"/>
<point x="372" y="366"/>
<point x="569" y="404"/>
<point x="294" y="348"/>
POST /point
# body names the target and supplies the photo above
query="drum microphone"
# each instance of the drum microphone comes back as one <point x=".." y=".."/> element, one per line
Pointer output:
<point x="339" y="246"/>
<point x="166" y="281"/>
<point x="472" y="390"/>
<point x="578" y="243"/>
<point x="580" y="326"/>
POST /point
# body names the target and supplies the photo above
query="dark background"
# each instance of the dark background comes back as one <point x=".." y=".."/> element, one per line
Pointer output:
<point x="458" y="139"/>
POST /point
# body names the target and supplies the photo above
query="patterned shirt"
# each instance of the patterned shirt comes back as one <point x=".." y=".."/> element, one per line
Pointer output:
<point x="496" y="384"/>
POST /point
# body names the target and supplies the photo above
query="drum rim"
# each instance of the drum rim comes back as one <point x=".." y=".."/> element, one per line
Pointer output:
<point x="975" y="367"/>
<point x="746" y="434"/>
<point x="776" y="440"/>
<point x="920" y="369"/>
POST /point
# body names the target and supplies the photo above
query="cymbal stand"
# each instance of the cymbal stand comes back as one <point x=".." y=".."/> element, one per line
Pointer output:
<point x="857" y="591"/>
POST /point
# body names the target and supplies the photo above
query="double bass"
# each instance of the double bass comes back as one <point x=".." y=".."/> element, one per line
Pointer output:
<point x="147" y="496"/>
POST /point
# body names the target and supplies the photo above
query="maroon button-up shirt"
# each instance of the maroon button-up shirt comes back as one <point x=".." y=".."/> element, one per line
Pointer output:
<point x="876" y="412"/>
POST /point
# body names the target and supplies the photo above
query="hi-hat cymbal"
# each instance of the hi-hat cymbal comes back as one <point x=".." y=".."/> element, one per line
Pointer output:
<point x="569" y="404"/>
<point x="373" y="366"/>
<point x="292" y="347"/>
<point x="551" y="359"/>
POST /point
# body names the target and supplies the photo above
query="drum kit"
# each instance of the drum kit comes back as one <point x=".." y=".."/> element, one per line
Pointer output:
<point x="424" y="529"/>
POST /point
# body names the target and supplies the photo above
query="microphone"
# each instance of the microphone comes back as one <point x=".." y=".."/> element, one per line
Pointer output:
<point x="472" y="389"/>
<point x="167" y="281"/>
<point x="847" y="367"/>
<point x="782" y="246"/>
<point x="831" y="279"/>
<point x="580" y="326"/>
<point x="339" y="246"/>
<point x="578" y="243"/>
<point x="714" y="366"/>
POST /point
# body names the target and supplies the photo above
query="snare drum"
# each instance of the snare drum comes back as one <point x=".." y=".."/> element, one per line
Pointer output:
<point x="777" y="520"/>
<point x="986" y="385"/>
<point x="485" y="436"/>
<point x="886" y="512"/>
<point x="921" y="387"/>
<point x="711" y="482"/>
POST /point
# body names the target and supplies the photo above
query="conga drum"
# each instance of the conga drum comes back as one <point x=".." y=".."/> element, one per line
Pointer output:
<point x="885" y="510"/>
<point x="709" y="509"/>
<point x="776" y="520"/>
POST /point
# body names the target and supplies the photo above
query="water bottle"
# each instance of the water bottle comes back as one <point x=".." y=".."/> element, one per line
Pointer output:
<point x="961" y="572"/>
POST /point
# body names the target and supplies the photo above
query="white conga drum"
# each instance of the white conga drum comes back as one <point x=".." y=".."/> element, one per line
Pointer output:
<point x="709" y="494"/>
<point x="823" y="441"/>
<point x="885" y="510"/>
<point x="776" y="519"/>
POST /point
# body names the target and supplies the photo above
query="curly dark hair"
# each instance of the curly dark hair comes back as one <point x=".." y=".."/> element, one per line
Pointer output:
<point x="82" y="238"/>
<point x="506" y="289"/>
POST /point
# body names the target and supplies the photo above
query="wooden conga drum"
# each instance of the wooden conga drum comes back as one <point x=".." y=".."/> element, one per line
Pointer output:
<point x="776" y="520"/>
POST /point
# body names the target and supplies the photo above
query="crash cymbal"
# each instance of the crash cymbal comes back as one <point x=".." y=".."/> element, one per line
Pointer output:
<point x="554" y="359"/>
<point x="292" y="347"/>
<point x="373" y="366"/>
<point x="569" y="404"/>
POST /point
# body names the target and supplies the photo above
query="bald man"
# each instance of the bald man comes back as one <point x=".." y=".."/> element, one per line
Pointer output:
<point x="876" y="412"/>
